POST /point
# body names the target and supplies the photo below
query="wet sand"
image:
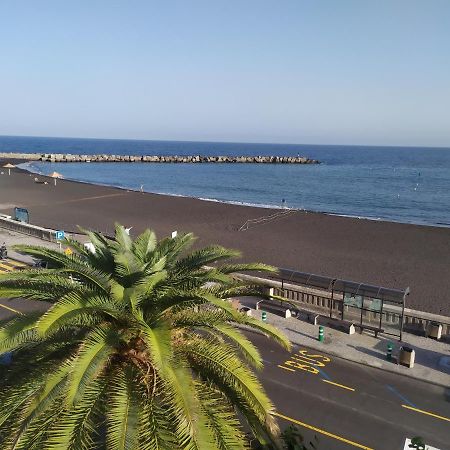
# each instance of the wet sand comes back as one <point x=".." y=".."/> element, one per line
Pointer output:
<point x="382" y="253"/>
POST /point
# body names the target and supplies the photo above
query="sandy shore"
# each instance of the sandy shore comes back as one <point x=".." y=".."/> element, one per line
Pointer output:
<point x="381" y="253"/>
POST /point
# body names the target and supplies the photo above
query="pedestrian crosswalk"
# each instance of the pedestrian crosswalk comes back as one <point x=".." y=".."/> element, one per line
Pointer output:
<point x="9" y="265"/>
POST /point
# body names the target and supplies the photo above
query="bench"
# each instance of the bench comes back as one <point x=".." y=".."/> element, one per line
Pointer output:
<point x="274" y="308"/>
<point x="376" y="330"/>
<point x="338" y="324"/>
<point x="415" y="328"/>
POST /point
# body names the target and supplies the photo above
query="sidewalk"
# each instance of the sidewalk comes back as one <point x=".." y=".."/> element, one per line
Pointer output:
<point x="432" y="361"/>
<point x="12" y="238"/>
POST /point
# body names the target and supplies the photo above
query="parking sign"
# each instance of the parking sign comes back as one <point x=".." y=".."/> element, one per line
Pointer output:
<point x="59" y="235"/>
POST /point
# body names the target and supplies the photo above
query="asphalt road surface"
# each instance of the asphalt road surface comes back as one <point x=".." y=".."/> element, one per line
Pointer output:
<point x="348" y="405"/>
<point x="345" y="405"/>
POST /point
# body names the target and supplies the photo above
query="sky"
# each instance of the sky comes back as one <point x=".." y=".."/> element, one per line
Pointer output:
<point x="300" y="71"/>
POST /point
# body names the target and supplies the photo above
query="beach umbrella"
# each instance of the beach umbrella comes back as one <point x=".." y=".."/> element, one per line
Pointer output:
<point x="55" y="176"/>
<point x="9" y="166"/>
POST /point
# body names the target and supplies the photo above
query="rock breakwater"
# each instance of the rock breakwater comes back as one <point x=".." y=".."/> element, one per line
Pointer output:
<point x="191" y="159"/>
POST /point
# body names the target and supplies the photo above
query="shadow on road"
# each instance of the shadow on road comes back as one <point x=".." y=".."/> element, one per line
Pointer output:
<point x="302" y="334"/>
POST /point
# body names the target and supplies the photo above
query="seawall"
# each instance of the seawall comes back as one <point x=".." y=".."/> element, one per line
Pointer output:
<point x="60" y="157"/>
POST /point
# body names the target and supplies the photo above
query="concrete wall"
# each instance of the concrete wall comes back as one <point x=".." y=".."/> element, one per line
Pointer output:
<point x="8" y="223"/>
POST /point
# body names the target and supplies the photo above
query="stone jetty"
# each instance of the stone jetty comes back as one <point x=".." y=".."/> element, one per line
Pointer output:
<point x="191" y="159"/>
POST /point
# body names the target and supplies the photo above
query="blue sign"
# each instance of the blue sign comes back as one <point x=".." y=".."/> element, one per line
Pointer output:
<point x="21" y="215"/>
<point x="59" y="235"/>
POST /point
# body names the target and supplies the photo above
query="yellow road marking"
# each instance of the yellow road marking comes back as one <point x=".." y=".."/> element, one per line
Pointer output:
<point x="316" y="356"/>
<point x="305" y="367"/>
<point x="285" y="368"/>
<point x="7" y="268"/>
<point x="9" y="265"/>
<point x="10" y="309"/>
<point x="426" y="412"/>
<point x="337" y="384"/>
<point x="326" y="433"/>
<point x="306" y="360"/>
<point x="16" y="263"/>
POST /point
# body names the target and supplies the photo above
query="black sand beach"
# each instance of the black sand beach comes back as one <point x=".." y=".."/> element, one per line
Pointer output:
<point x="383" y="253"/>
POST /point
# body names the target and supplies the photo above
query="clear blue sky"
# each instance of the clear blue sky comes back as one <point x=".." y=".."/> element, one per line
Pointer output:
<point x="300" y="71"/>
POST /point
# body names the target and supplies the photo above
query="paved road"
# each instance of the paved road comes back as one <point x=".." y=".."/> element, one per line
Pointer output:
<point x="9" y="265"/>
<point x="346" y="405"/>
<point x="350" y="405"/>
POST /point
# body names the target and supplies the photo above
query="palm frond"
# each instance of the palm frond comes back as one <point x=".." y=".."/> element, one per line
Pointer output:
<point x="90" y="361"/>
<point x="203" y="257"/>
<point x="144" y="246"/>
<point x="221" y="362"/>
<point x="171" y="248"/>
<point x="18" y="331"/>
<point x="158" y="342"/>
<point x="245" y="346"/>
<point x="156" y="427"/>
<point x="222" y="418"/>
<point x="268" y="330"/>
<point x="122" y="238"/>
<point x="40" y="407"/>
<point x="124" y="409"/>
<point x="247" y="267"/>
<point x="77" y="428"/>
<point x="74" y="304"/>
<point x="191" y="425"/>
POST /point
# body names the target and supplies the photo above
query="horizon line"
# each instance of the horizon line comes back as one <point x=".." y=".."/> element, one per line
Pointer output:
<point x="225" y="142"/>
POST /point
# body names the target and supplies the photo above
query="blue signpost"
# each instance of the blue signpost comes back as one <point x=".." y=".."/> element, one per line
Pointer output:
<point x="59" y="235"/>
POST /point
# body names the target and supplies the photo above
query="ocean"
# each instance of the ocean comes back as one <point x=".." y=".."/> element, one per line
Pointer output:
<point x="403" y="184"/>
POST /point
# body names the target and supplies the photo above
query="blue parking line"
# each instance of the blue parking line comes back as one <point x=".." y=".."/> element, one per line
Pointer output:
<point x="394" y="391"/>
<point x="323" y="373"/>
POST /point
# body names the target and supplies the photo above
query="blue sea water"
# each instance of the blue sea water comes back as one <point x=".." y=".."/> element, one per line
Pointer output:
<point x="405" y="184"/>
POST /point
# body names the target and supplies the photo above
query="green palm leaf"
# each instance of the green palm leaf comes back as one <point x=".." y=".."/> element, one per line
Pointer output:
<point x="123" y="413"/>
<point x="93" y="355"/>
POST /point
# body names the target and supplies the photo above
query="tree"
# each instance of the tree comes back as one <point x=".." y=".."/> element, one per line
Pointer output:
<point x="290" y="439"/>
<point x="293" y="439"/>
<point x="139" y="350"/>
<point x="417" y="443"/>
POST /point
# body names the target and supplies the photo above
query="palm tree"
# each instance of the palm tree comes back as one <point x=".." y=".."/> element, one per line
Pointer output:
<point x="139" y="350"/>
